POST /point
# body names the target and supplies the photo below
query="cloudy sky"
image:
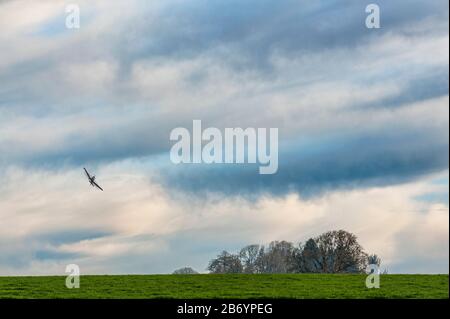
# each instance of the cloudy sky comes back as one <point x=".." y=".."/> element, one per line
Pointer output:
<point x="362" y="117"/>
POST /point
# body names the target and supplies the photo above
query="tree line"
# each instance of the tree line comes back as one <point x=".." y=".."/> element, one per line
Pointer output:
<point x="332" y="252"/>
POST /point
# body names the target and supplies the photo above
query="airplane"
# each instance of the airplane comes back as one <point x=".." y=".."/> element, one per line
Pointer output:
<point x="92" y="180"/>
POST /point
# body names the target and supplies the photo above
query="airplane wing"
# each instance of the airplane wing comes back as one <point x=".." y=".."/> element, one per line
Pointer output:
<point x="97" y="186"/>
<point x="87" y="174"/>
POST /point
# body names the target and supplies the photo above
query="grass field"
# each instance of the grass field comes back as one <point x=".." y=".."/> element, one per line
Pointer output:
<point x="227" y="286"/>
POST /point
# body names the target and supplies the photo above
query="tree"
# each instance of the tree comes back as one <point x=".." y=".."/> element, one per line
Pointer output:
<point x="260" y="261"/>
<point x="307" y="258"/>
<point x="249" y="257"/>
<point x="374" y="260"/>
<point x="185" y="271"/>
<point x="225" y="263"/>
<point x="339" y="252"/>
<point x="277" y="259"/>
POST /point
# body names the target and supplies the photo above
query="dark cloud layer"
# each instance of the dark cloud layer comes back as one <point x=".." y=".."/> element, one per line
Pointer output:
<point x="241" y="36"/>
<point x="339" y="163"/>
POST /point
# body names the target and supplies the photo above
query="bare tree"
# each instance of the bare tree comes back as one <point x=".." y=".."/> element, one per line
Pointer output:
<point x="307" y="258"/>
<point x="277" y="259"/>
<point x="339" y="251"/>
<point x="261" y="261"/>
<point x="249" y="257"/>
<point x="225" y="263"/>
<point x="374" y="260"/>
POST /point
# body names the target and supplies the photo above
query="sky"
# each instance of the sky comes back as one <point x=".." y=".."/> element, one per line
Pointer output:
<point x="363" y="119"/>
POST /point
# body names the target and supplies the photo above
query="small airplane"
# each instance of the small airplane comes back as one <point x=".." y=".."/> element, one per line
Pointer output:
<point x="92" y="180"/>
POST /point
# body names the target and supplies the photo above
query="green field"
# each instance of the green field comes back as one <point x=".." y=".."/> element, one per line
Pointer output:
<point x="227" y="286"/>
